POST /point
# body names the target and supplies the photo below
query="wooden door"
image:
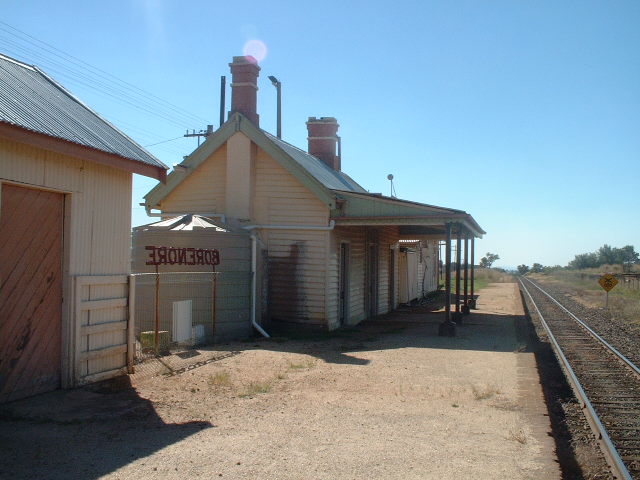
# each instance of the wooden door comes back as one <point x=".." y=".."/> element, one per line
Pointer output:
<point x="372" y="280"/>
<point x="31" y="228"/>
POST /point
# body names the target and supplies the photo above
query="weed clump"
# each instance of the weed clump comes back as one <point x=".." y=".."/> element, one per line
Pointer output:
<point x="220" y="379"/>
<point x="484" y="392"/>
<point x="302" y="365"/>
<point x="256" y="388"/>
<point x="518" y="436"/>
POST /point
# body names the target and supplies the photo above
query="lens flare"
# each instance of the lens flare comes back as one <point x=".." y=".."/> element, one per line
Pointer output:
<point x="256" y="48"/>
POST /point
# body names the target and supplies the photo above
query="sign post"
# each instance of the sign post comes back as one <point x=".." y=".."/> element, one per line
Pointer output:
<point x="607" y="282"/>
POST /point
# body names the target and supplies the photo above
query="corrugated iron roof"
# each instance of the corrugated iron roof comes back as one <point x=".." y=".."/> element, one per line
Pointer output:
<point x="32" y="100"/>
<point x="329" y="177"/>
<point x="183" y="222"/>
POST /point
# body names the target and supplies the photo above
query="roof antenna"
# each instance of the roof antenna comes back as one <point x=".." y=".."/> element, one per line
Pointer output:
<point x="393" y="189"/>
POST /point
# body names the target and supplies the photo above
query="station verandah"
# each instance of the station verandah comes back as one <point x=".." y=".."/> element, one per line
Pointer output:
<point x="457" y="233"/>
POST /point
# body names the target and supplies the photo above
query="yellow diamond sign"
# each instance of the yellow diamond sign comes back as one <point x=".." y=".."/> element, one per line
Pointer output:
<point x="608" y="281"/>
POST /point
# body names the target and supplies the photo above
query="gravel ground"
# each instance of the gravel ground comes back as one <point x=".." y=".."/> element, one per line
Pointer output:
<point x="389" y="399"/>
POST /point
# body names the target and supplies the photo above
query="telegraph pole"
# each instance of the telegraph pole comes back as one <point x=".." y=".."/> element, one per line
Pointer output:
<point x="201" y="133"/>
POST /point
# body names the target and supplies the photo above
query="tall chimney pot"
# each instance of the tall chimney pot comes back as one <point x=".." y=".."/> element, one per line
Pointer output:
<point x="244" y="87"/>
<point x="323" y="138"/>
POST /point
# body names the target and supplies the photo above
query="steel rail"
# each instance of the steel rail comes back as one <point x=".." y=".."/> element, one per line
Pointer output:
<point x="604" y="343"/>
<point x="611" y="454"/>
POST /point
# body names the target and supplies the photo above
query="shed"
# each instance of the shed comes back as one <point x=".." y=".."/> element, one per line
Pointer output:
<point x="188" y="310"/>
<point x="65" y="219"/>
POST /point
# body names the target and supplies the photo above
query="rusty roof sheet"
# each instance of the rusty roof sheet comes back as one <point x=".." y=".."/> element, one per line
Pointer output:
<point x="34" y="101"/>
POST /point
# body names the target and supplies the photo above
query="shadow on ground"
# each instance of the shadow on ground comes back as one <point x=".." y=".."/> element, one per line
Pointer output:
<point x="410" y="327"/>
<point x="104" y="429"/>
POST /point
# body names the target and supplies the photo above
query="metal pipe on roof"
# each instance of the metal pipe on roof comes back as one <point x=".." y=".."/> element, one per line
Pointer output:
<point x="223" y="91"/>
<point x="276" y="83"/>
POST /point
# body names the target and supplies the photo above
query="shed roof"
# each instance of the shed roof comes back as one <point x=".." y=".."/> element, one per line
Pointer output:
<point x="31" y="100"/>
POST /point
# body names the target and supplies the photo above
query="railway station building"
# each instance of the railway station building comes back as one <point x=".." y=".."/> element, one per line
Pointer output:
<point x="334" y="249"/>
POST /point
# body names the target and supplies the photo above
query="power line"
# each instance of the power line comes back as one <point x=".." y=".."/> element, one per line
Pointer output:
<point x="149" y="101"/>
<point x="96" y="70"/>
<point x="83" y="80"/>
<point x="164" y="141"/>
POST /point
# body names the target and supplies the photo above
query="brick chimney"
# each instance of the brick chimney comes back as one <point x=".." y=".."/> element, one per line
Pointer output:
<point x="323" y="137"/>
<point x="244" y="87"/>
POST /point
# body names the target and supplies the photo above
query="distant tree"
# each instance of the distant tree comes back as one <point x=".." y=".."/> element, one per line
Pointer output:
<point x="551" y="269"/>
<point x="627" y="255"/>
<point x="537" y="268"/>
<point x="584" y="260"/>
<point x="488" y="260"/>
<point x="607" y="255"/>
<point x="522" y="269"/>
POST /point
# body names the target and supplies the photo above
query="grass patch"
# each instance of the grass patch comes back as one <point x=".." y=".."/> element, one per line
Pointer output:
<point x="506" y="405"/>
<point x="484" y="392"/>
<point x="518" y="436"/>
<point x="624" y="301"/>
<point x="220" y="379"/>
<point x="302" y="365"/>
<point x="257" y="388"/>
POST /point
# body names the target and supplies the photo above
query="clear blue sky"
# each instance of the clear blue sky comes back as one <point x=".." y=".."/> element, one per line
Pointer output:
<point x="524" y="114"/>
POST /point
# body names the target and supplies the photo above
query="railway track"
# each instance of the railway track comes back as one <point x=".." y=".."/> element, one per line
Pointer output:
<point x="605" y="382"/>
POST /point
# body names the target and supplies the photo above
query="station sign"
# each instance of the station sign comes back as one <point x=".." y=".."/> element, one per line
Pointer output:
<point x="182" y="256"/>
<point x="607" y="282"/>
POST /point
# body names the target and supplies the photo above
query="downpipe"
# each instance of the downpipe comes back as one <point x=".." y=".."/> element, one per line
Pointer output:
<point x="254" y="284"/>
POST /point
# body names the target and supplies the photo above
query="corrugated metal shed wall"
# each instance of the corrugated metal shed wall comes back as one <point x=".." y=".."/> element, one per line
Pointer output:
<point x="99" y="222"/>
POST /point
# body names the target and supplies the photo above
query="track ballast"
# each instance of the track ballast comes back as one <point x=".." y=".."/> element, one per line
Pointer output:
<point x="605" y="382"/>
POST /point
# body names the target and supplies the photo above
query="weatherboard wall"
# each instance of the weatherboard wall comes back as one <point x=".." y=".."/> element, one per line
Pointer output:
<point x="97" y="243"/>
<point x="297" y="259"/>
<point x="357" y="238"/>
<point x="203" y="192"/>
<point x="387" y="239"/>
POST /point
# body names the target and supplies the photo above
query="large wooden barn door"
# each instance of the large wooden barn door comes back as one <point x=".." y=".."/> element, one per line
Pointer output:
<point x="30" y="291"/>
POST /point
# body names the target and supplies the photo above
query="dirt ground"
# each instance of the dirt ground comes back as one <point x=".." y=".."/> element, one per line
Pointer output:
<point x="387" y="400"/>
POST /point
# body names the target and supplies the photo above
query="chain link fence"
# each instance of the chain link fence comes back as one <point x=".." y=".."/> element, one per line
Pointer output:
<point x="181" y="311"/>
